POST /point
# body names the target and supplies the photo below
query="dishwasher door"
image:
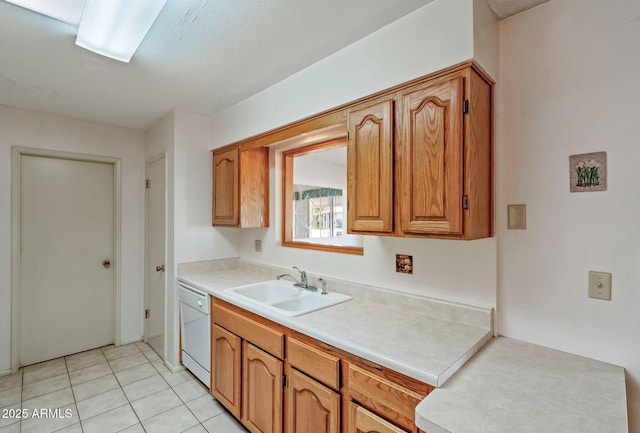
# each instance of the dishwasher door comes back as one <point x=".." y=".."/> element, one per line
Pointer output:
<point x="195" y="328"/>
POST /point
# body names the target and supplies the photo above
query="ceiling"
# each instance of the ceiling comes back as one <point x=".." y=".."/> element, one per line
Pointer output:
<point x="200" y="56"/>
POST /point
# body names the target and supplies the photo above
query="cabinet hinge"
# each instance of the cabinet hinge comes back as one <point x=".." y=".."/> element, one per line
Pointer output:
<point x="146" y="313"/>
<point x="147" y="184"/>
<point x="465" y="202"/>
<point x="348" y="136"/>
<point x="284" y="380"/>
<point x="465" y="106"/>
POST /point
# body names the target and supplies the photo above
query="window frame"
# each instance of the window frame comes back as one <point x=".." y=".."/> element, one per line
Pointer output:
<point x="288" y="157"/>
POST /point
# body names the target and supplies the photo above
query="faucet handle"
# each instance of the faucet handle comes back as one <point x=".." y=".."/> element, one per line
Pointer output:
<point x="324" y="286"/>
<point x="303" y="275"/>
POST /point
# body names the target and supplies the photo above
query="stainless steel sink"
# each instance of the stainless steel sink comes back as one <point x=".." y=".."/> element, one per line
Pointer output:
<point x="282" y="297"/>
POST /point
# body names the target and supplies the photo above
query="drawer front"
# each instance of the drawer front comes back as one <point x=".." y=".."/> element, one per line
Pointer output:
<point x="259" y="334"/>
<point x="360" y="420"/>
<point x="314" y="362"/>
<point x="385" y="398"/>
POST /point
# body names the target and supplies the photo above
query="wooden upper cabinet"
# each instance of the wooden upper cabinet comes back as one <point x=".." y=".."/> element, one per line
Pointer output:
<point x="370" y="168"/>
<point x="241" y="187"/>
<point x="444" y="158"/>
<point x="431" y="158"/>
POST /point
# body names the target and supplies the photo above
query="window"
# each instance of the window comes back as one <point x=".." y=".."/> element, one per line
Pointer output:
<point x="315" y="202"/>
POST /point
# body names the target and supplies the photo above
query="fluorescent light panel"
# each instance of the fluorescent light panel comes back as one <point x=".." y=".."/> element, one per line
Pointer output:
<point x="68" y="11"/>
<point x="115" y="28"/>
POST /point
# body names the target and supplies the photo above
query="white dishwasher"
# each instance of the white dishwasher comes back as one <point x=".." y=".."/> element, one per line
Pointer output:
<point x="195" y="326"/>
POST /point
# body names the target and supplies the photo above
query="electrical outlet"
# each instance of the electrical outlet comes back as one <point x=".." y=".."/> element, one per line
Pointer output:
<point x="600" y="285"/>
<point x="404" y="263"/>
<point x="258" y="245"/>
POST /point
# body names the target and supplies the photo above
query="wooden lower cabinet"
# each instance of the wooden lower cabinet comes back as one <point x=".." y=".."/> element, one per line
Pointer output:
<point x="311" y="406"/>
<point x="261" y="390"/>
<point x="360" y="420"/>
<point x="326" y="390"/>
<point x="226" y="371"/>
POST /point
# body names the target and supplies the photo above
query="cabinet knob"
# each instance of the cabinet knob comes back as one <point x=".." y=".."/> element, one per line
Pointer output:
<point x="160" y="268"/>
<point x="106" y="264"/>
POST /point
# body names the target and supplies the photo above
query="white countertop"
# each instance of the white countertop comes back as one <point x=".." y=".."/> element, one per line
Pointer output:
<point x="508" y="386"/>
<point x="512" y="386"/>
<point x="401" y="337"/>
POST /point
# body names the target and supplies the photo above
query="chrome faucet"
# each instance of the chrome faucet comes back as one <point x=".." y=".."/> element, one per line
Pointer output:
<point x="302" y="283"/>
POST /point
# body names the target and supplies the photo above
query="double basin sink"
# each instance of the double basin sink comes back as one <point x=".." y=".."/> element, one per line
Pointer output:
<point x="285" y="298"/>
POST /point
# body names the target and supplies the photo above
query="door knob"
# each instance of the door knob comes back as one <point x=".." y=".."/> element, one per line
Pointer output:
<point x="106" y="264"/>
<point x="160" y="268"/>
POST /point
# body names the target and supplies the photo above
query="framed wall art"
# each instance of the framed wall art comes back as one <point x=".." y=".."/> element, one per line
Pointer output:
<point x="588" y="172"/>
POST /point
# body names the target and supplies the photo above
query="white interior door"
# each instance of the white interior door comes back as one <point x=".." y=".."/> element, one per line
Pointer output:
<point x="66" y="236"/>
<point x="155" y="262"/>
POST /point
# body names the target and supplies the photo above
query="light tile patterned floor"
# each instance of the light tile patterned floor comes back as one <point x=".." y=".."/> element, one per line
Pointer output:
<point x="107" y="390"/>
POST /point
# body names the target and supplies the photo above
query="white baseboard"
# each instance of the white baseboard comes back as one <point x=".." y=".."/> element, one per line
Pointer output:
<point x="132" y="340"/>
<point x="172" y="368"/>
<point x="5" y="373"/>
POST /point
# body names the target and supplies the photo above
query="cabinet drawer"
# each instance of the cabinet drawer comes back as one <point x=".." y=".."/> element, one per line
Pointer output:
<point x="361" y="420"/>
<point x="314" y="362"/>
<point x="382" y="396"/>
<point x="268" y="339"/>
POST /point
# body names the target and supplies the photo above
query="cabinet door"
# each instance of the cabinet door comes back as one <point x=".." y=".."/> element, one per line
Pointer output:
<point x="311" y="407"/>
<point x="370" y="168"/>
<point x="431" y="158"/>
<point x="360" y="420"/>
<point x="226" y="369"/>
<point x="225" y="188"/>
<point x="261" y="391"/>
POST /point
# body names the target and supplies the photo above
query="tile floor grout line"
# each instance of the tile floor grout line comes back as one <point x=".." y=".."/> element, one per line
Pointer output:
<point x="150" y="357"/>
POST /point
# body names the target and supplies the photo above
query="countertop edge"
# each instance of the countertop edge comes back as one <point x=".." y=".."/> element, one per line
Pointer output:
<point x="434" y="380"/>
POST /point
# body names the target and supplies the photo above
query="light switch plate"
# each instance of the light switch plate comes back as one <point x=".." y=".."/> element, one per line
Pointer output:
<point x="517" y="217"/>
<point x="258" y="245"/>
<point x="600" y="285"/>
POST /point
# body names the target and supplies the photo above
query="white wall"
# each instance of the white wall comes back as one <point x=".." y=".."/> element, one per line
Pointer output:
<point x="46" y="131"/>
<point x="569" y="84"/>
<point x="434" y="37"/>
<point x="431" y="38"/>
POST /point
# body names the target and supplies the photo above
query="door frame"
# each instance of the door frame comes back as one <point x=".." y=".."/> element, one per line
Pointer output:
<point x="146" y="244"/>
<point x="17" y="153"/>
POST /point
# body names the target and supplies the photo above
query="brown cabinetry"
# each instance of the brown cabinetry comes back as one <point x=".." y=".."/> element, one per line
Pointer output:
<point x="383" y="396"/>
<point x="247" y="368"/>
<point x="360" y="420"/>
<point x="311" y="406"/>
<point x="323" y="390"/>
<point x="261" y="390"/>
<point x="241" y="187"/>
<point x="370" y="168"/>
<point x="437" y="181"/>
<point x="226" y="369"/>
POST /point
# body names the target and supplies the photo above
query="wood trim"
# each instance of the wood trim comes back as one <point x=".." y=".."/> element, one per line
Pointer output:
<point x="287" y="205"/>
<point x="328" y="248"/>
<point x="333" y="117"/>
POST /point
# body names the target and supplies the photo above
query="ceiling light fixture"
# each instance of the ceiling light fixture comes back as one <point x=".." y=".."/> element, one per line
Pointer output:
<point x="115" y="28"/>
<point x="68" y="11"/>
